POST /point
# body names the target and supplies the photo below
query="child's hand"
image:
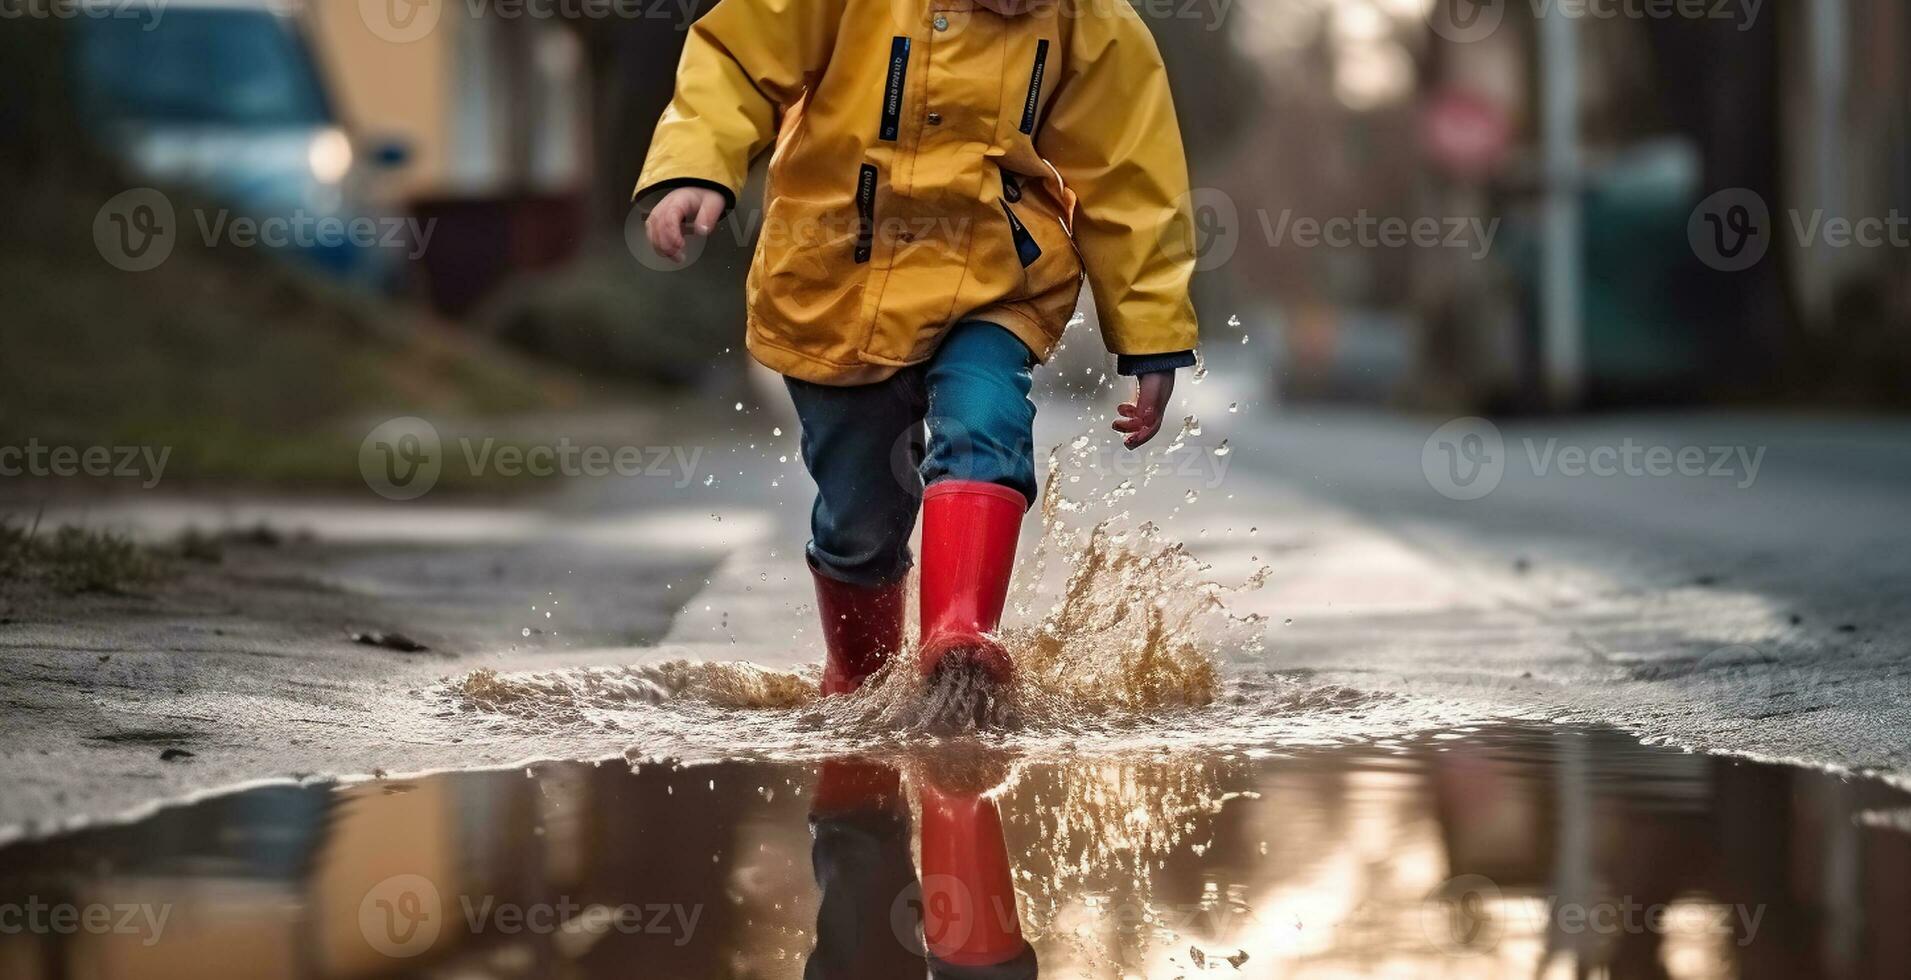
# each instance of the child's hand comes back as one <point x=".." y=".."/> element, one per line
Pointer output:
<point x="699" y="207"/>
<point x="1141" y="418"/>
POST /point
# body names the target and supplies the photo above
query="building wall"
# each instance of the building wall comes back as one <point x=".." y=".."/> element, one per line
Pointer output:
<point x="490" y="108"/>
<point x="387" y="89"/>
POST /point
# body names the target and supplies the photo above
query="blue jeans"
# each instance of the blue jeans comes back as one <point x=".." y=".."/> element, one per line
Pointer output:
<point x="865" y="448"/>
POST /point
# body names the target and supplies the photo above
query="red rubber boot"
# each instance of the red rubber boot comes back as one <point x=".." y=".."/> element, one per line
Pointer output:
<point x="861" y="628"/>
<point x="969" y="531"/>
<point x="968" y="895"/>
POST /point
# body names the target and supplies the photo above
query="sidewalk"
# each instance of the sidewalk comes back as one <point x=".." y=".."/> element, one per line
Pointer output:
<point x="1768" y="621"/>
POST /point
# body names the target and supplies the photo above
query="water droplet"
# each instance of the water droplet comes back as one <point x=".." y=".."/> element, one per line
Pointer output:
<point x="739" y="406"/>
<point x="525" y="631"/>
<point x="1222" y="449"/>
<point x="1191" y="496"/>
<point x="1235" y="321"/>
<point x="777" y="431"/>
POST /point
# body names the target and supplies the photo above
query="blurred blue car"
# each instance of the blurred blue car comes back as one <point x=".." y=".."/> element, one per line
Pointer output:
<point x="225" y="97"/>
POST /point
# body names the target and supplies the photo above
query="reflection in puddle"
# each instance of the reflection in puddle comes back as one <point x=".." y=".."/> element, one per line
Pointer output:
<point x="1506" y="851"/>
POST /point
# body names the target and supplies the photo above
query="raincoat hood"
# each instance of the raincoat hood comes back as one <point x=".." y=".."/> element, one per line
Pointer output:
<point x="937" y="161"/>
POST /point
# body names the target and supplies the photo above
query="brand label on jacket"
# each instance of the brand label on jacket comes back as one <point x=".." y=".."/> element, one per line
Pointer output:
<point x="866" y="207"/>
<point x="892" y="94"/>
<point x="1034" y="102"/>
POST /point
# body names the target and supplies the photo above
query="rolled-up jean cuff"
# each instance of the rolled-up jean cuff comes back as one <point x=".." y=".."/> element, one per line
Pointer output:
<point x="1132" y="365"/>
<point x="868" y="575"/>
<point x="1005" y="489"/>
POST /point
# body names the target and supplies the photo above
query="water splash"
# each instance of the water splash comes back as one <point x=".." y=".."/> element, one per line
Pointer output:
<point x="1120" y="637"/>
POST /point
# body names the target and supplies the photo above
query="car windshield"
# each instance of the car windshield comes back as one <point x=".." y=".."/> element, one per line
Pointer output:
<point x="217" y="67"/>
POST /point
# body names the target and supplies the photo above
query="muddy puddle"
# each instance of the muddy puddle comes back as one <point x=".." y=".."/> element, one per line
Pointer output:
<point x="1511" y="850"/>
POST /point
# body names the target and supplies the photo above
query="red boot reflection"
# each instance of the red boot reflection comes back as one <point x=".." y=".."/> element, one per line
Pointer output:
<point x="860" y="827"/>
<point x="872" y="908"/>
<point x="969" y="920"/>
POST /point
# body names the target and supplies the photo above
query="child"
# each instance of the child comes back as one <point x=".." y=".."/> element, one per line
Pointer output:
<point x="944" y="173"/>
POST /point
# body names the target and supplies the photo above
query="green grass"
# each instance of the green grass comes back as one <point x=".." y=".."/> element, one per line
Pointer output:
<point x="248" y="370"/>
<point x="73" y="560"/>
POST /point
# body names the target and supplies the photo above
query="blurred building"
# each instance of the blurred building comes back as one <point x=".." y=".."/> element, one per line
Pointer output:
<point x="496" y="112"/>
<point x="1627" y="124"/>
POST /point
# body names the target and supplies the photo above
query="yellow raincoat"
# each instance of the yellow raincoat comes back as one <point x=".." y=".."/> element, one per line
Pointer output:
<point x="935" y="162"/>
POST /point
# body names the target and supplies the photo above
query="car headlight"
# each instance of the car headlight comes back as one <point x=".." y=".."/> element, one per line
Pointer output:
<point x="330" y="156"/>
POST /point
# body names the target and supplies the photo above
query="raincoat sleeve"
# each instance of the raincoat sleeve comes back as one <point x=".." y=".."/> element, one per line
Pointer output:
<point x="1111" y="133"/>
<point x="743" y="62"/>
